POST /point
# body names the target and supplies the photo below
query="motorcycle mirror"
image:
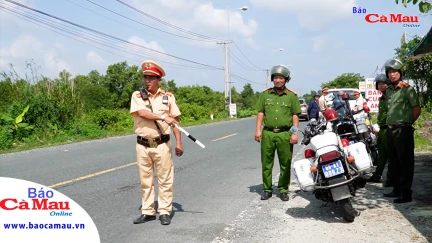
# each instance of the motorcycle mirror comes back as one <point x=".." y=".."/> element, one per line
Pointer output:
<point x="366" y="109"/>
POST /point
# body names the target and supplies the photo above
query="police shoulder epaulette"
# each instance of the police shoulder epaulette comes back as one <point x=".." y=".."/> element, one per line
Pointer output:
<point x="266" y="90"/>
<point x="403" y="84"/>
<point x="292" y="91"/>
<point x="138" y="94"/>
<point x="167" y="93"/>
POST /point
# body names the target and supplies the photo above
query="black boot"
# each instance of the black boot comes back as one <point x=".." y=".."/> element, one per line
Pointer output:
<point x="374" y="179"/>
<point x="394" y="193"/>
<point x="266" y="195"/>
<point x="404" y="197"/>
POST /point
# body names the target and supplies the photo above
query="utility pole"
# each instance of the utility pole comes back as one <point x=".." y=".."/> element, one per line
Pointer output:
<point x="267" y="79"/>
<point x="226" y="69"/>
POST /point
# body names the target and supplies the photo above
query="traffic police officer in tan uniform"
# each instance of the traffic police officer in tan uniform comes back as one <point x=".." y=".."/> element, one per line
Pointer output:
<point x="279" y="108"/>
<point x="155" y="112"/>
<point x="403" y="110"/>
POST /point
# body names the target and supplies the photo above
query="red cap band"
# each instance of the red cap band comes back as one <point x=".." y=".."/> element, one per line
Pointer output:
<point x="154" y="70"/>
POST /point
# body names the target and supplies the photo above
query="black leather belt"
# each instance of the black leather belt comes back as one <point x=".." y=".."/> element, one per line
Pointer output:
<point x="277" y="129"/>
<point x="394" y="126"/>
<point x="153" y="142"/>
<point x="383" y="127"/>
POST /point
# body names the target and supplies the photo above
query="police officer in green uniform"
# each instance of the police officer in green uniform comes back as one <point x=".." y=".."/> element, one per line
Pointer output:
<point x="403" y="110"/>
<point x="278" y="108"/>
<point x="381" y="84"/>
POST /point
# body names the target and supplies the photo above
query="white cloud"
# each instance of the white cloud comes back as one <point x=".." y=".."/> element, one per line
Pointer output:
<point x="29" y="47"/>
<point x="94" y="59"/>
<point x="201" y="18"/>
<point x="143" y="53"/>
<point x="8" y="20"/>
<point x="313" y="15"/>
<point x="319" y="42"/>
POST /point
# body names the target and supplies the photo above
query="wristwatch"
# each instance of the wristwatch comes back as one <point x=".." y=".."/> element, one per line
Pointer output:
<point x="294" y="129"/>
<point x="163" y="117"/>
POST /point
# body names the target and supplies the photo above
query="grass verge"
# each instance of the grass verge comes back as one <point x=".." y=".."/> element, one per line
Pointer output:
<point x="64" y="139"/>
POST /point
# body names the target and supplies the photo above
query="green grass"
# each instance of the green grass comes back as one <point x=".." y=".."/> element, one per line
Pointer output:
<point x="97" y="134"/>
<point x="421" y="143"/>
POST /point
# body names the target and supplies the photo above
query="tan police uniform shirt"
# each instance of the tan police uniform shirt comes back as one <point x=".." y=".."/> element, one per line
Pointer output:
<point x="322" y="103"/>
<point x="147" y="128"/>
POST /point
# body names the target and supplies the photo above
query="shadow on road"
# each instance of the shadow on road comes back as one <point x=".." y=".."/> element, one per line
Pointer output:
<point x="330" y="212"/>
<point x="419" y="211"/>
<point x="177" y="207"/>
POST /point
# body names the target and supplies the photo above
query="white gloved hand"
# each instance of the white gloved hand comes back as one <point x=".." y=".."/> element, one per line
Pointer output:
<point x="376" y="127"/>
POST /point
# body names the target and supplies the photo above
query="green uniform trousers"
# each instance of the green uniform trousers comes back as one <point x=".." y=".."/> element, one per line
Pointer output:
<point x="269" y="143"/>
<point x="383" y="156"/>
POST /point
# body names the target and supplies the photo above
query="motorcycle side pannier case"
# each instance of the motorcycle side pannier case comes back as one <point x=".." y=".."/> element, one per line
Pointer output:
<point x="303" y="174"/>
<point x="362" y="161"/>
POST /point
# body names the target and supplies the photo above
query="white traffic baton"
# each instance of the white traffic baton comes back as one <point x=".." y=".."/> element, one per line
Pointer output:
<point x="190" y="136"/>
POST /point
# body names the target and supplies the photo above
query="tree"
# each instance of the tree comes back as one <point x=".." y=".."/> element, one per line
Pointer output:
<point x="419" y="70"/>
<point x="424" y="6"/>
<point x="247" y="96"/>
<point x="310" y="96"/>
<point x="345" y="80"/>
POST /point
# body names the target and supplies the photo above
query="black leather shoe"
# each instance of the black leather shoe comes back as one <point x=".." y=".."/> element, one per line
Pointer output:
<point x="165" y="219"/>
<point x="284" y="196"/>
<point x="402" y="200"/>
<point x="144" y="218"/>
<point x="404" y="197"/>
<point x="266" y="195"/>
<point x="392" y="194"/>
<point x="374" y="179"/>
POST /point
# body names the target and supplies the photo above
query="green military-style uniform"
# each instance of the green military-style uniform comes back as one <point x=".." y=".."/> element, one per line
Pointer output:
<point x="401" y="98"/>
<point x="382" y="135"/>
<point x="382" y="141"/>
<point x="278" y="111"/>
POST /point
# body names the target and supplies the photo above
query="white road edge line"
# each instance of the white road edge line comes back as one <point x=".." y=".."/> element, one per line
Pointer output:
<point x="248" y="213"/>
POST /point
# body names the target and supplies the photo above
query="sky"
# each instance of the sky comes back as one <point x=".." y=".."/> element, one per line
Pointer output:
<point x="318" y="39"/>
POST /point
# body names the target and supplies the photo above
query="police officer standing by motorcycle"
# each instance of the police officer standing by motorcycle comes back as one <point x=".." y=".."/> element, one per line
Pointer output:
<point x="278" y="108"/>
<point x="381" y="84"/>
<point x="403" y="110"/>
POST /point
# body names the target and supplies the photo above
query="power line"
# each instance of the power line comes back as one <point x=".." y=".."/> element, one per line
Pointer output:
<point x="77" y="33"/>
<point x="238" y="61"/>
<point x="146" y="24"/>
<point x="168" y="24"/>
<point x="110" y="36"/>
<point x="40" y="21"/>
<point x="245" y="56"/>
<point x="134" y="28"/>
<point x="234" y="75"/>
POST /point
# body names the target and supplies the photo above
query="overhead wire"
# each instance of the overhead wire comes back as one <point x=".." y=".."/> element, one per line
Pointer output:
<point x="168" y="24"/>
<point x="124" y="24"/>
<point x="110" y="36"/>
<point x="141" y="23"/>
<point x="246" y="57"/>
<point x="38" y="21"/>
<point x="238" y="77"/>
<point x="238" y="61"/>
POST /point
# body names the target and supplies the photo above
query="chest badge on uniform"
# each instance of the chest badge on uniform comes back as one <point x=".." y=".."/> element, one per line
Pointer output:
<point x="269" y="99"/>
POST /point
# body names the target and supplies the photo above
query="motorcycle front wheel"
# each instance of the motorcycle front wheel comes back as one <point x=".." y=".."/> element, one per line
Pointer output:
<point x="348" y="212"/>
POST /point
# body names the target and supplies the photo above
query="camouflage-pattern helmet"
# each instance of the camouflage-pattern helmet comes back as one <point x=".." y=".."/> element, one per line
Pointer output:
<point x="394" y="63"/>
<point x="280" y="70"/>
<point x="381" y="78"/>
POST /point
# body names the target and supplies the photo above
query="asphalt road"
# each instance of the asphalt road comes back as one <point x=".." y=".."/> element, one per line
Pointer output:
<point x="213" y="186"/>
